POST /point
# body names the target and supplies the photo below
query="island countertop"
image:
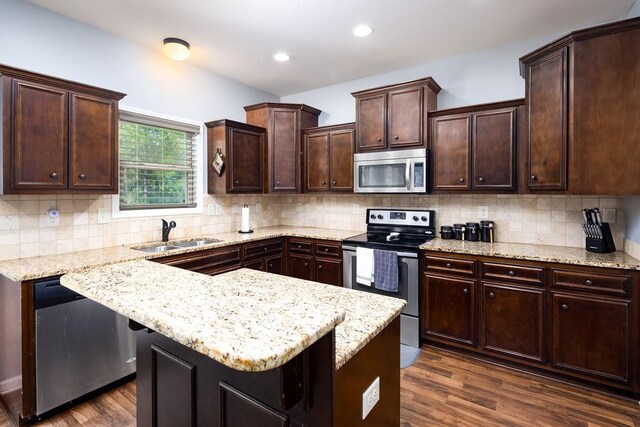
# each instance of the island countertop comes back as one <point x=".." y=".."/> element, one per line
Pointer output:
<point x="245" y="319"/>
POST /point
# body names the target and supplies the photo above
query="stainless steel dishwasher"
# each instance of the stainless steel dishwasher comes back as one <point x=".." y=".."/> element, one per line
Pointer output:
<point x="80" y="345"/>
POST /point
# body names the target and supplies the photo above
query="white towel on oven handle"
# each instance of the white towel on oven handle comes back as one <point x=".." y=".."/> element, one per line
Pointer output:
<point x="364" y="266"/>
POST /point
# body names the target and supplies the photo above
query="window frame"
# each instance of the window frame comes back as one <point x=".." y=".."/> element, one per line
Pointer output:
<point x="200" y="178"/>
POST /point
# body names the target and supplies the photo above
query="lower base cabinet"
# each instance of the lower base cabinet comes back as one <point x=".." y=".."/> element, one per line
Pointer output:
<point x="582" y="323"/>
<point x="317" y="260"/>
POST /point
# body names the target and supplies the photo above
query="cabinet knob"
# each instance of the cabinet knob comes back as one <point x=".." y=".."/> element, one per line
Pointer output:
<point x="465" y="291"/>
<point x="395" y="137"/>
<point x="511" y="273"/>
<point x="324" y="183"/>
<point x="481" y="179"/>
<point x="588" y="282"/>
<point x="334" y="182"/>
<point x="265" y="248"/>
<point x="54" y="175"/>
<point x="533" y="177"/>
<point x="306" y="264"/>
<point x="491" y="295"/>
<point x="299" y="246"/>
<point x="461" y="180"/>
<point x="319" y="266"/>
<point x="448" y="265"/>
<point x="326" y="249"/>
<point x="277" y="182"/>
<point x="236" y="181"/>
<point x="82" y="176"/>
<point x="564" y="307"/>
<point x="270" y="265"/>
<point x="379" y="139"/>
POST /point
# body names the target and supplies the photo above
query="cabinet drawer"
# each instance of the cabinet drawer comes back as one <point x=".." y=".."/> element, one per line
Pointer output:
<point x="204" y="260"/>
<point x="516" y="273"/>
<point x="330" y="250"/>
<point x="261" y="249"/>
<point x="300" y="246"/>
<point x="593" y="282"/>
<point x="450" y="265"/>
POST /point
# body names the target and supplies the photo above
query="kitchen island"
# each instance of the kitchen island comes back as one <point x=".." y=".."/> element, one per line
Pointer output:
<point x="246" y="345"/>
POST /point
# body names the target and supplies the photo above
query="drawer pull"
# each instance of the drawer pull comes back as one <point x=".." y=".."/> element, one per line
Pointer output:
<point x="511" y="273"/>
<point x="265" y="248"/>
<point x="449" y="265"/>
<point x="379" y="139"/>
<point x="270" y="265"/>
<point x="564" y="307"/>
<point x="491" y="295"/>
<point x="588" y="282"/>
<point x="82" y="176"/>
<point x="395" y="137"/>
<point x="481" y="179"/>
<point x="299" y="246"/>
<point x="465" y="291"/>
<point x="324" y="182"/>
<point x="54" y="175"/>
<point x="533" y="177"/>
<point x="237" y="182"/>
<point x="306" y="264"/>
<point x="461" y="180"/>
<point x="326" y="249"/>
<point x="334" y="182"/>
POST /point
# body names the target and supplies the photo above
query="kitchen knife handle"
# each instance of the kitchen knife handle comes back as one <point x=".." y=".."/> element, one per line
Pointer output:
<point x="598" y="217"/>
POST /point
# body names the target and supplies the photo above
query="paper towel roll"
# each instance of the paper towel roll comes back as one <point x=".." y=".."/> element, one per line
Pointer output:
<point x="245" y="219"/>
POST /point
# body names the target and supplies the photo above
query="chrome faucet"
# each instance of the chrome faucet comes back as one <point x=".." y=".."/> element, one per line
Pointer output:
<point x="166" y="228"/>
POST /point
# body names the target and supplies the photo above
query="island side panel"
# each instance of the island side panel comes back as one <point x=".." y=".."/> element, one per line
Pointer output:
<point x="179" y="386"/>
<point x="379" y="358"/>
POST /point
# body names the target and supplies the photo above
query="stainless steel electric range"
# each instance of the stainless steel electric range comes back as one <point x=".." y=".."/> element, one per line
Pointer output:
<point x="402" y="231"/>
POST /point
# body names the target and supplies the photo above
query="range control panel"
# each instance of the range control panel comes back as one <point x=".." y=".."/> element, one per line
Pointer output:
<point x="422" y="218"/>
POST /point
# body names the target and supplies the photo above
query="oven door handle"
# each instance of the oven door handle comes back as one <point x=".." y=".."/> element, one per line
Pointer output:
<point x="400" y="254"/>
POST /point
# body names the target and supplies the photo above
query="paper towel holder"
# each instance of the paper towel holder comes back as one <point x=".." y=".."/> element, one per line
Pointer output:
<point x="247" y="231"/>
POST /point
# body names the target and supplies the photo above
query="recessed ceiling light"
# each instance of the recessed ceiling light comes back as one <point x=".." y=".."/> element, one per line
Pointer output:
<point x="176" y="49"/>
<point x="362" y="30"/>
<point x="281" y="57"/>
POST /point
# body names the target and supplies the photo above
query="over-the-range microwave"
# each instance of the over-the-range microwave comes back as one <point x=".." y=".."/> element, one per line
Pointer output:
<point x="397" y="171"/>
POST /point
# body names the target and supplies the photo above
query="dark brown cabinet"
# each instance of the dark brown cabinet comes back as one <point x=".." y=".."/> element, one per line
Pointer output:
<point x="59" y="136"/>
<point x="243" y="148"/>
<point x="395" y="116"/>
<point x="284" y="124"/>
<point x="474" y="148"/>
<point x="300" y="266"/>
<point x="317" y="260"/>
<point x="328" y="158"/>
<point x="576" y="322"/>
<point x="583" y="109"/>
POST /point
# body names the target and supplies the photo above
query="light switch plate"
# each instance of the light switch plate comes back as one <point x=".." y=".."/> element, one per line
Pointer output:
<point x="483" y="212"/>
<point x="370" y="397"/>
<point x="211" y="209"/>
<point x="298" y="207"/>
<point x="219" y="210"/>
<point x="235" y="208"/>
<point x="258" y="207"/>
<point x="104" y="216"/>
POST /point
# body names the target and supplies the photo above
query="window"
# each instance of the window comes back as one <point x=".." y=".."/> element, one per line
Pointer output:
<point x="158" y="163"/>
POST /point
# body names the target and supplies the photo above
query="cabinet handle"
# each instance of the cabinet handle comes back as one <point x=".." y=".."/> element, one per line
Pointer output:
<point x="533" y="177"/>
<point x="564" y="307"/>
<point x="461" y="180"/>
<point x="82" y="176"/>
<point x="237" y="182"/>
<point x="448" y="265"/>
<point x="491" y="295"/>
<point x="588" y="282"/>
<point x="324" y="183"/>
<point x="395" y="137"/>
<point x="54" y="175"/>
<point x="511" y="273"/>
<point x="465" y="291"/>
<point x="481" y="179"/>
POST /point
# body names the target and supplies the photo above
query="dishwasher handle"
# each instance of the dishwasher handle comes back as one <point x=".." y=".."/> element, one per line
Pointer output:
<point x="50" y="292"/>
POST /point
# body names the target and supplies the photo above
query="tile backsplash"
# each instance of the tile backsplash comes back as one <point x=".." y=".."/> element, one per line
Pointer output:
<point x="24" y="229"/>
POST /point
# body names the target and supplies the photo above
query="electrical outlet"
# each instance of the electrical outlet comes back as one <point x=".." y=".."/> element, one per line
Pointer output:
<point x="258" y="207"/>
<point x="370" y="397"/>
<point x="356" y="208"/>
<point x="609" y="215"/>
<point x="52" y="222"/>
<point x="483" y="212"/>
<point x="219" y="210"/>
<point x="104" y="216"/>
<point x="235" y="209"/>
<point x="211" y="209"/>
<point x="298" y="207"/>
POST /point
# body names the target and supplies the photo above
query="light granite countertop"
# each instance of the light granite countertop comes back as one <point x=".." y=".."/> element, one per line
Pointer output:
<point x="557" y="254"/>
<point x="22" y="269"/>
<point x="245" y="319"/>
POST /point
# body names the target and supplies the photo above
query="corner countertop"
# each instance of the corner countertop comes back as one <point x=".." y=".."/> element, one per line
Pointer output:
<point x="31" y="268"/>
<point x="557" y="254"/>
<point x="245" y="319"/>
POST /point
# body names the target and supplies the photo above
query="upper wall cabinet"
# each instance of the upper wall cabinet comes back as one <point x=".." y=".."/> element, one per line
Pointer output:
<point x="284" y="124"/>
<point x="59" y="136"/>
<point x="474" y="148"/>
<point x="243" y="149"/>
<point x="328" y="158"/>
<point x="395" y="117"/>
<point x="583" y="109"/>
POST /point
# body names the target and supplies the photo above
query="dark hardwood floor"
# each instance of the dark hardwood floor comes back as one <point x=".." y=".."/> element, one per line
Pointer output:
<point x="440" y="389"/>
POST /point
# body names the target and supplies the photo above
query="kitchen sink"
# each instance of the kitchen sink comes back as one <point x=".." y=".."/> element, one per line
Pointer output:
<point x="176" y="245"/>
<point x="192" y="243"/>
<point x="160" y="248"/>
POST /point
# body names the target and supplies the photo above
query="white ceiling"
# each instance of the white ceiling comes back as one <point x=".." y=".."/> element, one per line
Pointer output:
<point x="237" y="38"/>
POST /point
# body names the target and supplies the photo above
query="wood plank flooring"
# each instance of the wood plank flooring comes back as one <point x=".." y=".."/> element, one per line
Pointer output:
<point x="440" y="389"/>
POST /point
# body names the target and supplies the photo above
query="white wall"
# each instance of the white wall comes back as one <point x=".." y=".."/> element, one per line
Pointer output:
<point x="42" y="41"/>
<point x="473" y="78"/>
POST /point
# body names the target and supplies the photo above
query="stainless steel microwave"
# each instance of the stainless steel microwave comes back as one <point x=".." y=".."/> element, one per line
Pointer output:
<point x="398" y="171"/>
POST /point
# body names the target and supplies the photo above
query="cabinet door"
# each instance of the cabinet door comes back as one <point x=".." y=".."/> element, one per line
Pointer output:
<point x="370" y="123"/>
<point x="328" y="271"/>
<point x="494" y="148"/>
<point x="285" y="150"/>
<point x="245" y="161"/>
<point x="93" y="144"/>
<point x="342" y="160"/>
<point x="451" y="151"/>
<point x="546" y="95"/>
<point x="448" y="310"/>
<point x="591" y="336"/>
<point x="406" y="118"/>
<point x="255" y="265"/>
<point x="40" y="135"/>
<point x="317" y="162"/>
<point x="300" y="266"/>
<point x="274" y="265"/>
<point x="511" y="321"/>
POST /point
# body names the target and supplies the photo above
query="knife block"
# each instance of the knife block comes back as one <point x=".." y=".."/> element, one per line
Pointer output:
<point x="604" y="244"/>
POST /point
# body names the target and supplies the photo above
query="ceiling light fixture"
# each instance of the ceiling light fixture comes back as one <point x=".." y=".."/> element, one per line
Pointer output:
<point x="176" y="49"/>
<point x="281" y="57"/>
<point x="362" y="30"/>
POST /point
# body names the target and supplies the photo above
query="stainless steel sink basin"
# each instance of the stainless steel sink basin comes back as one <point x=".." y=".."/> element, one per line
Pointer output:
<point x="161" y="248"/>
<point x="193" y="243"/>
